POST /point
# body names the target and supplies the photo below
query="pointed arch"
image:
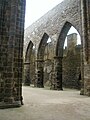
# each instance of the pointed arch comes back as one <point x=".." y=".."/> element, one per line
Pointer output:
<point x="27" y="79"/>
<point x="61" y="38"/>
<point x="28" y="51"/>
<point x="42" y="45"/>
<point x="59" y="53"/>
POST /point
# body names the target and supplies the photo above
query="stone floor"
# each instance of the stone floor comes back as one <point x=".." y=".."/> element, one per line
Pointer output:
<point x="44" y="104"/>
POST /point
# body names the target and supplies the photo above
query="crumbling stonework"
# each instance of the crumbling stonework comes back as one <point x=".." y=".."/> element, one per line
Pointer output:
<point x="56" y="24"/>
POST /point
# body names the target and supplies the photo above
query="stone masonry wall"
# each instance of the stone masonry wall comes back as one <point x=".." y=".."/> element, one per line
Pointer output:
<point x="72" y="68"/>
<point x="72" y="63"/>
<point x="12" y="14"/>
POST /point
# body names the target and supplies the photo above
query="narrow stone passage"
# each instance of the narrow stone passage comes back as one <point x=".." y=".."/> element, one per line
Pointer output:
<point x="43" y="104"/>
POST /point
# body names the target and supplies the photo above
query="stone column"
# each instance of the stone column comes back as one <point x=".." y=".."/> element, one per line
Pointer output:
<point x="27" y="74"/>
<point x="85" y="7"/>
<point x="39" y="73"/>
<point x="57" y="83"/>
<point x="11" y="54"/>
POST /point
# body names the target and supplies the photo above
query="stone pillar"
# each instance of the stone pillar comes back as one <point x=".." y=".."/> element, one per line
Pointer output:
<point x="11" y="53"/>
<point x="85" y="7"/>
<point x="57" y="83"/>
<point x="39" y="73"/>
<point x="27" y="80"/>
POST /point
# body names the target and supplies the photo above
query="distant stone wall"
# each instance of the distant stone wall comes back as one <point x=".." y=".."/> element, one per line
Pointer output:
<point x="72" y="68"/>
<point x="71" y="63"/>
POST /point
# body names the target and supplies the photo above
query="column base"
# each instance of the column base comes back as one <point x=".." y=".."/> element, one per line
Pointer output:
<point x="39" y="86"/>
<point x="26" y="84"/>
<point x="4" y="105"/>
<point x="55" y="88"/>
<point x="82" y="91"/>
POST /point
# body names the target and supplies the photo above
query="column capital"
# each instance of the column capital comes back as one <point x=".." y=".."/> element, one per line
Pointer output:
<point x="58" y="57"/>
<point x="26" y="63"/>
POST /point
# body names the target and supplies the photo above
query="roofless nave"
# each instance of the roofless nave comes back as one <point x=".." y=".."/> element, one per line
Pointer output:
<point x="55" y="24"/>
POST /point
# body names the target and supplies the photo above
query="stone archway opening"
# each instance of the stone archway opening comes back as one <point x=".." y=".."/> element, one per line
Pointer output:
<point x="71" y="62"/>
<point x="40" y="61"/>
<point x="65" y="69"/>
<point x="29" y="64"/>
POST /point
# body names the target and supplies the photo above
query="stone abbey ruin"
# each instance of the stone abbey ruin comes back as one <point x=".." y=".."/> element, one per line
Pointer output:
<point x="71" y="65"/>
<point x="28" y="57"/>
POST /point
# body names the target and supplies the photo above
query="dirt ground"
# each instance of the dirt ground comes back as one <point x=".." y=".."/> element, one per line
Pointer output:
<point x="44" y="104"/>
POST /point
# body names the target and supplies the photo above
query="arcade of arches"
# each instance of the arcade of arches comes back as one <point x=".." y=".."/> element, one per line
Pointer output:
<point x="46" y="67"/>
<point x="46" y="60"/>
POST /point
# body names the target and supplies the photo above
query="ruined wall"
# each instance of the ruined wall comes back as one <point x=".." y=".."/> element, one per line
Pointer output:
<point x="52" y="22"/>
<point x="56" y="24"/>
<point x="64" y="15"/>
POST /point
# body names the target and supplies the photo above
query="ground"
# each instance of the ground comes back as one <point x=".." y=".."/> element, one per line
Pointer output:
<point x="44" y="104"/>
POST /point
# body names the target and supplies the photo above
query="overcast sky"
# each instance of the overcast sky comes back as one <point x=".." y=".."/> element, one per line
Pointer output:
<point x="37" y="8"/>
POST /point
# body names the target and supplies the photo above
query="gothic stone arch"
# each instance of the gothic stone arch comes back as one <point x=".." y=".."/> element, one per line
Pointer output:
<point x="59" y="55"/>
